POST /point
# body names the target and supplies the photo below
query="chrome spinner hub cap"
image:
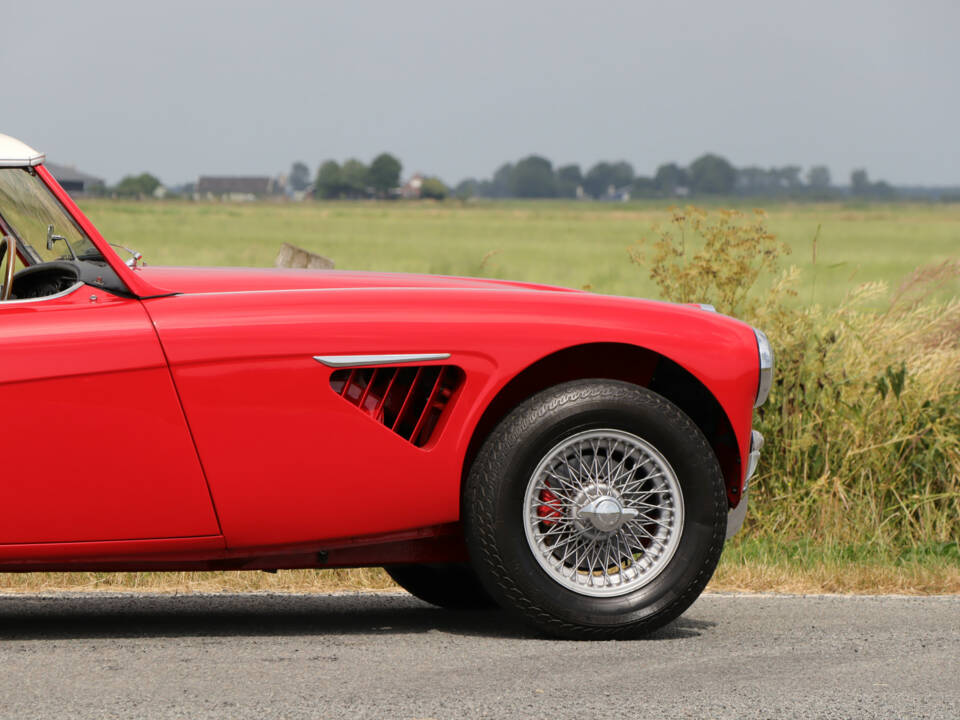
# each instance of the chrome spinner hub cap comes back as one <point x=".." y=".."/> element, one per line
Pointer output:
<point x="606" y="514"/>
<point x="603" y="513"/>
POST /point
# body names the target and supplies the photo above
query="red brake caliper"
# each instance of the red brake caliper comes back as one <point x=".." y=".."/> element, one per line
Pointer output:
<point x="548" y="510"/>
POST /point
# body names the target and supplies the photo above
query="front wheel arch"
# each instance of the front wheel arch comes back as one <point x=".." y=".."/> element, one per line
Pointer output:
<point x="628" y="363"/>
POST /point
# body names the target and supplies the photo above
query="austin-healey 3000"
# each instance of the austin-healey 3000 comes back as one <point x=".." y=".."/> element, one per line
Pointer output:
<point x="578" y="459"/>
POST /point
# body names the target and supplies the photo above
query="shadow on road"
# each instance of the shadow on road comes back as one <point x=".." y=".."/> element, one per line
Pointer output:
<point x="133" y="616"/>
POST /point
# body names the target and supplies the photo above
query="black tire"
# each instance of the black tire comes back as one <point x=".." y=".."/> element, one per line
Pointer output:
<point x="454" y="587"/>
<point x="494" y="512"/>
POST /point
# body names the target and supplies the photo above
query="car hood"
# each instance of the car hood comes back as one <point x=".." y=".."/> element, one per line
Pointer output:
<point x="192" y="280"/>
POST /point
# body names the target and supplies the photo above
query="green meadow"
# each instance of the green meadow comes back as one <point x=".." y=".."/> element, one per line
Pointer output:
<point x="836" y="246"/>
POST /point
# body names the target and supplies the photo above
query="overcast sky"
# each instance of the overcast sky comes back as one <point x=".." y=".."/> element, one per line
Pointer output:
<point x="455" y="88"/>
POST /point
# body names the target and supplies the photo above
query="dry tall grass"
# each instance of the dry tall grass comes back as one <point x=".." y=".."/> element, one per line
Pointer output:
<point x="737" y="572"/>
<point x="862" y="424"/>
<point x="354" y="579"/>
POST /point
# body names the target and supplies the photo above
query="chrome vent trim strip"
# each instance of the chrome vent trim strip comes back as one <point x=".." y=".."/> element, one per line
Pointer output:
<point x="342" y="361"/>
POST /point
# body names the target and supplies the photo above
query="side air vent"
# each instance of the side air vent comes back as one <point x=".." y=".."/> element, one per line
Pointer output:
<point x="408" y="400"/>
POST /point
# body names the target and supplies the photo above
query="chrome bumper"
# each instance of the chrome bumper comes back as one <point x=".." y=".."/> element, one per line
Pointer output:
<point x="736" y="516"/>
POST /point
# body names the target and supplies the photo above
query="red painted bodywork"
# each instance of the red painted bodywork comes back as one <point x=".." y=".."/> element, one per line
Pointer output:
<point x="88" y="394"/>
<point x="189" y="426"/>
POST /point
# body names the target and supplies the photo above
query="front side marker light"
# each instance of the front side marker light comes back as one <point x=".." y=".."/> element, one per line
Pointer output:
<point x="766" y="367"/>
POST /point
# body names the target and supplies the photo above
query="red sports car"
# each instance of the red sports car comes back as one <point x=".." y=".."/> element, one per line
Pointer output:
<point x="577" y="458"/>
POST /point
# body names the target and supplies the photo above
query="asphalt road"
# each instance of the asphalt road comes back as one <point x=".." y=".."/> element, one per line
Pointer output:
<point x="388" y="655"/>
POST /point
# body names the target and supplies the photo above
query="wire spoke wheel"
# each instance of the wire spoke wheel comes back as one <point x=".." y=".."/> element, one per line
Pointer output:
<point x="595" y="509"/>
<point x="603" y="513"/>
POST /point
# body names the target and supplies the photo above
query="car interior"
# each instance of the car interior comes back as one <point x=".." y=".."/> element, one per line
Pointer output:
<point x="42" y="278"/>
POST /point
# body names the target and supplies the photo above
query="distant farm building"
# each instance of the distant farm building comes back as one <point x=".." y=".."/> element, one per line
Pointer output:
<point x="75" y="182"/>
<point x="412" y="188"/>
<point x="235" y="189"/>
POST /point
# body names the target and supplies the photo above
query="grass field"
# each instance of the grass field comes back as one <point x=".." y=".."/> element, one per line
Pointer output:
<point x="561" y="243"/>
<point x="578" y="245"/>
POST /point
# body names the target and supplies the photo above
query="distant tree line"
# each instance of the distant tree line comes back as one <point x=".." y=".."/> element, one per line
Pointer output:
<point x="535" y="177"/>
<point x="353" y="179"/>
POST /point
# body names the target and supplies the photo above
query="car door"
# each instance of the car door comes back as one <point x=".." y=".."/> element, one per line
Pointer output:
<point x="96" y="444"/>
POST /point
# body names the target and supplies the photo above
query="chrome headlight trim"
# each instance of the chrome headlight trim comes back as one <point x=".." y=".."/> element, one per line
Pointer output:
<point x="765" y="352"/>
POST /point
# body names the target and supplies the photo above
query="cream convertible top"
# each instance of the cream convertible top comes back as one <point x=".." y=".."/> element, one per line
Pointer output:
<point x="14" y="153"/>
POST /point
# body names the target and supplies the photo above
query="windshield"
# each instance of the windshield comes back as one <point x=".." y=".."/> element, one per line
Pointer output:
<point x="29" y="210"/>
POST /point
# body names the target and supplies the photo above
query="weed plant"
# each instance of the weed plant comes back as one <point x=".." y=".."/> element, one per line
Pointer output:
<point x="863" y="420"/>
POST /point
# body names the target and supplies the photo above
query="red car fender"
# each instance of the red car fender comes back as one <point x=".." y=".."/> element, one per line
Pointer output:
<point x="243" y="362"/>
